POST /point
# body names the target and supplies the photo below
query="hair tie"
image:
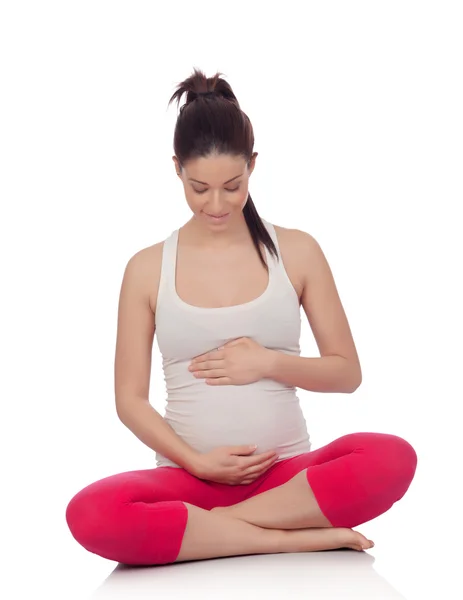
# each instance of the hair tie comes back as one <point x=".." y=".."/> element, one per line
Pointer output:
<point x="205" y="93"/>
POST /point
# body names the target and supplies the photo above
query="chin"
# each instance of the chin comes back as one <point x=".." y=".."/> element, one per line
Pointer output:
<point x="217" y="220"/>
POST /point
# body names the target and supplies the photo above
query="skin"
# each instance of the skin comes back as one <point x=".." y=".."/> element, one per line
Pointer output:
<point x="210" y="273"/>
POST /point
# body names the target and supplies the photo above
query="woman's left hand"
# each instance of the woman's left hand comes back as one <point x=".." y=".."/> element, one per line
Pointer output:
<point x="238" y="362"/>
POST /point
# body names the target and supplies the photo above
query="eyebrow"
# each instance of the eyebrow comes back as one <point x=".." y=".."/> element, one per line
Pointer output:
<point x="204" y="183"/>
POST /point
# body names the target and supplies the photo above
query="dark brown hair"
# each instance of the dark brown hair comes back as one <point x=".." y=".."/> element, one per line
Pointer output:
<point x="215" y="123"/>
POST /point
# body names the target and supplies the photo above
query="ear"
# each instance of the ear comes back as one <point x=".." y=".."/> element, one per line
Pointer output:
<point x="177" y="166"/>
<point x="252" y="163"/>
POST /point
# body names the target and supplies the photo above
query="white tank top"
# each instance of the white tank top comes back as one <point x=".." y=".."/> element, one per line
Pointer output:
<point x="266" y="413"/>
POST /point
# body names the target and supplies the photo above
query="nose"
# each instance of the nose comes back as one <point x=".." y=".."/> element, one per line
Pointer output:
<point x="215" y="208"/>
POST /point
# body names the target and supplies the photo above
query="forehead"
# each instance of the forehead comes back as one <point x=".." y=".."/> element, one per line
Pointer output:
<point x="215" y="168"/>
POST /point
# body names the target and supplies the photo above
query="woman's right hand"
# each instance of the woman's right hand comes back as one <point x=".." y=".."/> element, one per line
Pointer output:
<point x="233" y="465"/>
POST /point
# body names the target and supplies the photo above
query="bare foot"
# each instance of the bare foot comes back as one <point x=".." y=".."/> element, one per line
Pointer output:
<point x="325" y="538"/>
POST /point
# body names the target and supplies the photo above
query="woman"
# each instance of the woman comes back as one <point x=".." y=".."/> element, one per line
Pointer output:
<point x="235" y="470"/>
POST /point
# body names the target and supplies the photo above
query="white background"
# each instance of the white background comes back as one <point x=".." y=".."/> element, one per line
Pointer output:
<point x="357" y="113"/>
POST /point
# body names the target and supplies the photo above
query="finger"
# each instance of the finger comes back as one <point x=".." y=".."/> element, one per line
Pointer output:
<point x="200" y="358"/>
<point x="200" y="365"/>
<point x="219" y="381"/>
<point x="210" y="373"/>
<point x="207" y="365"/>
<point x="234" y="343"/>
<point x="257" y="461"/>
<point x="259" y="469"/>
<point x="250" y="461"/>
<point x="254" y="476"/>
<point x="249" y="480"/>
<point x="209" y="356"/>
<point x="242" y="450"/>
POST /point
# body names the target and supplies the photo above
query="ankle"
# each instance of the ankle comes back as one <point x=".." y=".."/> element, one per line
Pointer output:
<point x="281" y="541"/>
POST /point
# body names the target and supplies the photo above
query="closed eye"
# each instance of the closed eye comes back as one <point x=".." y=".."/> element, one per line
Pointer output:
<point x="204" y="191"/>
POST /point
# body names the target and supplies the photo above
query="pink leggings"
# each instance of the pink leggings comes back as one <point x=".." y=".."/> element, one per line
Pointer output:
<point x="139" y="517"/>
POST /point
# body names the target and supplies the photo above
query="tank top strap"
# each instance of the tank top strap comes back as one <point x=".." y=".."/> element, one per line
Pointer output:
<point x="277" y="267"/>
<point x="169" y="256"/>
<point x="271" y="230"/>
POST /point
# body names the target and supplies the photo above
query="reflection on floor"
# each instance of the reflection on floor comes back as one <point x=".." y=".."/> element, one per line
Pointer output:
<point x="334" y="575"/>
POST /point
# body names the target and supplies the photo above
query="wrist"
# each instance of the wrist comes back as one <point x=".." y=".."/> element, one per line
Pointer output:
<point x="193" y="462"/>
<point x="270" y="362"/>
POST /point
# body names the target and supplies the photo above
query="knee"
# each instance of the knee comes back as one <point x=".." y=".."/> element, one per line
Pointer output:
<point x="403" y="453"/>
<point x="80" y="518"/>
<point x="116" y="521"/>
<point x="398" y="458"/>
<point x="89" y="516"/>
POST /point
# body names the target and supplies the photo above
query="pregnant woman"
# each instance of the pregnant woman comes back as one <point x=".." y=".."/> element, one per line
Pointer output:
<point x="235" y="471"/>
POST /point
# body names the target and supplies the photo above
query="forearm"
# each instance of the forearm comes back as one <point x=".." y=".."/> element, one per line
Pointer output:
<point x="149" y="427"/>
<point x="333" y="374"/>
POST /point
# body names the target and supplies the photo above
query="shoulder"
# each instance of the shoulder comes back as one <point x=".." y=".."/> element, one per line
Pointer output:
<point x="143" y="269"/>
<point x="145" y="260"/>
<point x="302" y="255"/>
<point x="296" y="241"/>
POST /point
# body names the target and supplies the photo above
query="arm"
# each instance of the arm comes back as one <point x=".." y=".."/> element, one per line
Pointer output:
<point x="337" y="369"/>
<point x="332" y="374"/>
<point x="132" y="365"/>
<point x="149" y="427"/>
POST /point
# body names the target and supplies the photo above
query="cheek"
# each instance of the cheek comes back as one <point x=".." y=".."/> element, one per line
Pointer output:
<point x="194" y="202"/>
<point x="236" y="201"/>
<point x="244" y="198"/>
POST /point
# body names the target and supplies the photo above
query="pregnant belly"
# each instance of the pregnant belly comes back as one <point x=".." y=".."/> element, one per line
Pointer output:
<point x="272" y="420"/>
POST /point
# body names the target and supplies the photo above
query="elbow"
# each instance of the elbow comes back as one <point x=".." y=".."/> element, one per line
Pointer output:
<point x="356" y="385"/>
<point x="126" y="402"/>
<point x="119" y="405"/>
<point x="352" y="389"/>
<point x="120" y="412"/>
<point x="354" y="382"/>
<point x="124" y="405"/>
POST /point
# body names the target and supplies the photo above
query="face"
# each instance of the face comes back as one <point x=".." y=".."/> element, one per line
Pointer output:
<point x="216" y="187"/>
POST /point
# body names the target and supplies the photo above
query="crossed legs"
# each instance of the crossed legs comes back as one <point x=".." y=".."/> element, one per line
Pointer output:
<point x="309" y="502"/>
